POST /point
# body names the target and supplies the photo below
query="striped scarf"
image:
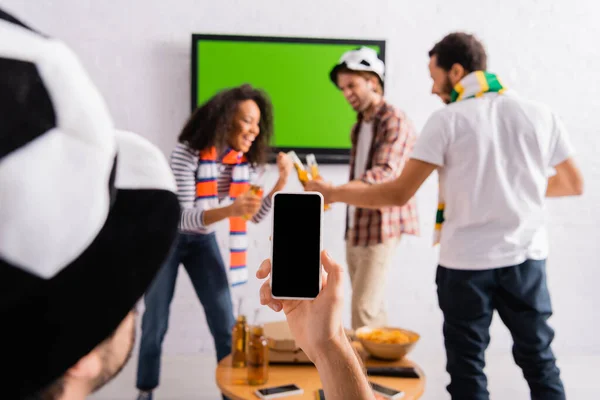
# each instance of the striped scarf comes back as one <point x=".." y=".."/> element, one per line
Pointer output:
<point x="476" y="84"/>
<point x="206" y="188"/>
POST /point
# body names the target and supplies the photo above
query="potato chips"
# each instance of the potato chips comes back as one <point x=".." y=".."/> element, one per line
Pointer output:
<point x="387" y="336"/>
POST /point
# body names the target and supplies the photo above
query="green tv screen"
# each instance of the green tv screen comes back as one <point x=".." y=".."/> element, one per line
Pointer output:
<point x="310" y="113"/>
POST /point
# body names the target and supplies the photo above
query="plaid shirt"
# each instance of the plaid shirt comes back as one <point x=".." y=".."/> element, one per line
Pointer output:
<point x="393" y="139"/>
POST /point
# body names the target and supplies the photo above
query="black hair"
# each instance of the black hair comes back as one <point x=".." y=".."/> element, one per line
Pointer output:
<point x="460" y="48"/>
<point x="210" y="123"/>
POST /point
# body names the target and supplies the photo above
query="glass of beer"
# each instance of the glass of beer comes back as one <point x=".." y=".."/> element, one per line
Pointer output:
<point x="257" y="356"/>
<point x="256" y="186"/>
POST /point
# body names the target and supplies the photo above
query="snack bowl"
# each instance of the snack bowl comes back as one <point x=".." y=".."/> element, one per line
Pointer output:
<point x="387" y="343"/>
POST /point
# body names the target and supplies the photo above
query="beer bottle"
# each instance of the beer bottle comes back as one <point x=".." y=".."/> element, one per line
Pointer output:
<point x="303" y="175"/>
<point x="239" y="338"/>
<point x="311" y="162"/>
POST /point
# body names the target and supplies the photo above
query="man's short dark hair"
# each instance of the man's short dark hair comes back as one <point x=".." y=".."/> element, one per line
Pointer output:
<point x="460" y="48"/>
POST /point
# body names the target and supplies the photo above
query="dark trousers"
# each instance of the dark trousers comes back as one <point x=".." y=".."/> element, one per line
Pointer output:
<point x="202" y="260"/>
<point x="520" y="295"/>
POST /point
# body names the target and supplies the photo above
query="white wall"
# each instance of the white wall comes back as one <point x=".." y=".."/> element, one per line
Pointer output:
<point x="138" y="53"/>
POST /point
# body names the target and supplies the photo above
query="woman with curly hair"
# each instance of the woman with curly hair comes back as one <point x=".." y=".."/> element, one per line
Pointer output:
<point x="220" y="146"/>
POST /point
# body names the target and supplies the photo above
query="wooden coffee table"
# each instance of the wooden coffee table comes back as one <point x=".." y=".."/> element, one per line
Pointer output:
<point x="233" y="384"/>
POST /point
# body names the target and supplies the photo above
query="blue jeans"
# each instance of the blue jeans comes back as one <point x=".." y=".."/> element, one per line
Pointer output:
<point x="520" y="295"/>
<point x="202" y="260"/>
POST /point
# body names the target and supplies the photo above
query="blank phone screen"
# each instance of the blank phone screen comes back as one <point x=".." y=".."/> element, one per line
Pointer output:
<point x="296" y="245"/>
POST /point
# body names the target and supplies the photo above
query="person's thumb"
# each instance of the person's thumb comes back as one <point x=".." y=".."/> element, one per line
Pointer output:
<point x="335" y="273"/>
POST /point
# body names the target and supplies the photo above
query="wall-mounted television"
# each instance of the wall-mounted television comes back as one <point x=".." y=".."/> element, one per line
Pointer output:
<point x="310" y="113"/>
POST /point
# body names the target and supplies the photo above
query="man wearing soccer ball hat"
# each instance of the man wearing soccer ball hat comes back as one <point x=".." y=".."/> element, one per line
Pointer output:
<point x="87" y="216"/>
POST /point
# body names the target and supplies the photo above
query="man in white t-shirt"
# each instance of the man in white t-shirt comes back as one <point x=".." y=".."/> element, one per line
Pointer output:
<point x="494" y="152"/>
<point x="382" y="139"/>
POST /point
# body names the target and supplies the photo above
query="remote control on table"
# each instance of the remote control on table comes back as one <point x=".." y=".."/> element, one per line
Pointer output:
<point x="399" y="372"/>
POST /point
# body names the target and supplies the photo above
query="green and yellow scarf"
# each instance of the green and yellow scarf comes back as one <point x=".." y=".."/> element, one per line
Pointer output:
<point x="474" y="85"/>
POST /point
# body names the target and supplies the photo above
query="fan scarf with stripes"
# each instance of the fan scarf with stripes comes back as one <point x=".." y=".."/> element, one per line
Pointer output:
<point x="207" y="189"/>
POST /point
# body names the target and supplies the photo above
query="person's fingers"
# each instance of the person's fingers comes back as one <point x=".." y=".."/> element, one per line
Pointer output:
<point x="265" y="294"/>
<point x="252" y="205"/>
<point x="323" y="280"/>
<point x="280" y="161"/>
<point x="266" y="298"/>
<point x="254" y="201"/>
<point x="275" y="306"/>
<point x="264" y="270"/>
<point x="335" y="273"/>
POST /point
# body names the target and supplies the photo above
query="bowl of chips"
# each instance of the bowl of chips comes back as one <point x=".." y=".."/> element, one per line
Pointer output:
<point x="387" y="343"/>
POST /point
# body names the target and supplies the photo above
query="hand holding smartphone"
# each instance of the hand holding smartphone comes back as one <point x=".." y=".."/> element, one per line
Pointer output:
<point x="296" y="245"/>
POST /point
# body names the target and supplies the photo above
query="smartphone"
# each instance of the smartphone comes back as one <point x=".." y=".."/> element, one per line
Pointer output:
<point x="296" y="245"/>
<point x="386" y="392"/>
<point x="320" y="395"/>
<point x="279" y="391"/>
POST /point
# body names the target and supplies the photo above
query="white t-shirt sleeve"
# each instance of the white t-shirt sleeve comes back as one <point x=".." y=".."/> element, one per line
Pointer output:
<point x="433" y="141"/>
<point x="561" y="148"/>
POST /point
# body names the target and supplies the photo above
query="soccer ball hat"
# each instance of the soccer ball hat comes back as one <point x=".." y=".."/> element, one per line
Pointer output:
<point x="361" y="59"/>
<point x="87" y="213"/>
